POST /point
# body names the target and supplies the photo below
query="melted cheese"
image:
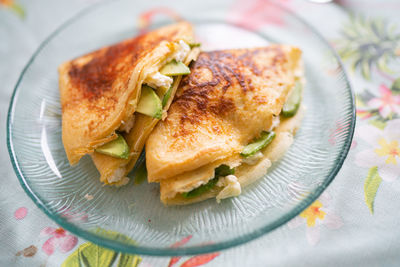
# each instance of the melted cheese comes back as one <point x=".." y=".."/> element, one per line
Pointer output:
<point x="231" y="187"/>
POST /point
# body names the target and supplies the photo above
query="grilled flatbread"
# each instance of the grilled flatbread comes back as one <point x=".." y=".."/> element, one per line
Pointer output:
<point x="100" y="93"/>
<point x="229" y="98"/>
<point x="246" y="174"/>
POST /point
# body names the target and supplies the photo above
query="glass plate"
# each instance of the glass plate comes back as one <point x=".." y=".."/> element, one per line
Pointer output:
<point x="132" y="219"/>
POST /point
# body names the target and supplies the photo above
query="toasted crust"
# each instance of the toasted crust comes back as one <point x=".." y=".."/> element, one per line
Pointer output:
<point x="136" y="138"/>
<point x="227" y="100"/>
<point x="101" y="89"/>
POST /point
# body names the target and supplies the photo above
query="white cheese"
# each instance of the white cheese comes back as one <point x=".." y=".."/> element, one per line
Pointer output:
<point x="182" y="51"/>
<point x="126" y="126"/>
<point x="117" y="175"/>
<point x="253" y="159"/>
<point x="231" y="187"/>
<point x="275" y="122"/>
<point x="156" y="80"/>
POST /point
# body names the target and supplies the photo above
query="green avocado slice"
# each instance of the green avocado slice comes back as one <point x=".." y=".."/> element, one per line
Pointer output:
<point x="201" y="189"/>
<point x="175" y="68"/>
<point x="258" y="144"/>
<point x="222" y="170"/>
<point x="192" y="45"/>
<point x="293" y="103"/>
<point x="149" y="103"/>
<point x="166" y="97"/>
<point x="117" y="148"/>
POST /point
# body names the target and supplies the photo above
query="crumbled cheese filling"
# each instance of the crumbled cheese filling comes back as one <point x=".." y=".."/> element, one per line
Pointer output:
<point x="126" y="126"/>
<point x="275" y="122"/>
<point x="157" y="79"/>
<point x="253" y="159"/>
<point x="182" y="51"/>
<point x="154" y="80"/>
<point x="231" y="187"/>
<point x="117" y="176"/>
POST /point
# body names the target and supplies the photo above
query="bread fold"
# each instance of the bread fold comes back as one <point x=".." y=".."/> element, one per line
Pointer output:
<point x="229" y="98"/>
<point x="100" y="91"/>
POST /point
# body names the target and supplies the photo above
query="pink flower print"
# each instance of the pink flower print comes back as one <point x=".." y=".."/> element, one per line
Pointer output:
<point x="147" y="18"/>
<point x="200" y="260"/>
<point x="59" y="239"/>
<point x="192" y="261"/>
<point x="386" y="103"/>
<point x="180" y="243"/>
<point x="254" y="14"/>
<point x="20" y="213"/>
<point x="318" y="214"/>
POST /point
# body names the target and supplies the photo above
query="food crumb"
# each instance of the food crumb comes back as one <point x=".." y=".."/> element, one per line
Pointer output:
<point x="88" y="197"/>
<point x="27" y="252"/>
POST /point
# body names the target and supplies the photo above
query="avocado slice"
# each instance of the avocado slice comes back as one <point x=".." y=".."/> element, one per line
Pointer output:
<point x="175" y="68"/>
<point x="166" y="97"/>
<point x="201" y="189"/>
<point x="149" y="103"/>
<point x="192" y="45"/>
<point x="117" y="148"/>
<point x="293" y="103"/>
<point x="222" y="170"/>
<point x="258" y="144"/>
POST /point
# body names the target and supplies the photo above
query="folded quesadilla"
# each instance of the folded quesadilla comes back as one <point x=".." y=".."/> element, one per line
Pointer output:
<point x="231" y="117"/>
<point x="112" y="98"/>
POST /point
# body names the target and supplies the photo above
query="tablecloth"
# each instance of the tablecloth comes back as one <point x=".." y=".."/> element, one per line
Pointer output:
<point x="355" y="222"/>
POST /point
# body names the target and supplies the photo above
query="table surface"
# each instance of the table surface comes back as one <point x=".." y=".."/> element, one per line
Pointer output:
<point x="353" y="223"/>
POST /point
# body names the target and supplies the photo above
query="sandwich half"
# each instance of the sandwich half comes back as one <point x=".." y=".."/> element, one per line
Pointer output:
<point x="113" y="97"/>
<point x="232" y="116"/>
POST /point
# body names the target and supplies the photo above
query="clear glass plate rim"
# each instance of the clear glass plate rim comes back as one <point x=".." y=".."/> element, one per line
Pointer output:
<point x="133" y="249"/>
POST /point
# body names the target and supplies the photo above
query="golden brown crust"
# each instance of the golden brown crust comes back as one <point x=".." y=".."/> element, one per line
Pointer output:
<point x="226" y="68"/>
<point x="95" y="89"/>
<point x="227" y="100"/>
<point x="136" y="138"/>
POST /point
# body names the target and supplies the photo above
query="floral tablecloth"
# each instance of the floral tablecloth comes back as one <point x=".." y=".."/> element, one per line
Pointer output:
<point x="355" y="222"/>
